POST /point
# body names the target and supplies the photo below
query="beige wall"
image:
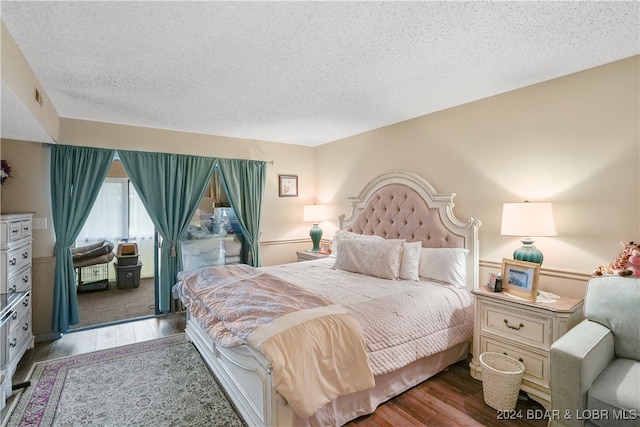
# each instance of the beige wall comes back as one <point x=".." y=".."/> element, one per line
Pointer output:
<point x="572" y="141"/>
<point x="18" y="76"/>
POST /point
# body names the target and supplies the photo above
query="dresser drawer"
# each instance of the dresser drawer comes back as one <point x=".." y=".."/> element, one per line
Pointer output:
<point x="523" y="327"/>
<point x="25" y="228"/>
<point x="12" y="231"/>
<point x="536" y="366"/>
<point x="18" y="341"/>
<point x="20" y="282"/>
<point x="18" y="257"/>
<point x="21" y="315"/>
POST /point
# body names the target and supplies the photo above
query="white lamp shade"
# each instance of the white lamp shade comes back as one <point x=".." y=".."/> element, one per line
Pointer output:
<point x="315" y="213"/>
<point x="527" y="219"/>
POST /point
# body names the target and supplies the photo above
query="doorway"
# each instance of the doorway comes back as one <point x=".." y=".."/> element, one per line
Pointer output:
<point x="123" y="288"/>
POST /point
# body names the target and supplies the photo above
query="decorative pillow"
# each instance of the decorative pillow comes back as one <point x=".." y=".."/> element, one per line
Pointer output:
<point x="448" y="265"/>
<point x="410" y="262"/>
<point x="343" y="235"/>
<point x="373" y="257"/>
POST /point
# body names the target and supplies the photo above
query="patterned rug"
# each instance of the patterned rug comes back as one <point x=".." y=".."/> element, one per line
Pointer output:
<point x="163" y="382"/>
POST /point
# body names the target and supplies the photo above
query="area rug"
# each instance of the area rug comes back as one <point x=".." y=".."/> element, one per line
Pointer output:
<point x="163" y="382"/>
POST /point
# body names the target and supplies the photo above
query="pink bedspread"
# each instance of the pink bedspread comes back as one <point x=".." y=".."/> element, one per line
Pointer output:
<point x="219" y="297"/>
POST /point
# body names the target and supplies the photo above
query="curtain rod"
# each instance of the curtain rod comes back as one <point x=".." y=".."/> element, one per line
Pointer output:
<point x="48" y="144"/>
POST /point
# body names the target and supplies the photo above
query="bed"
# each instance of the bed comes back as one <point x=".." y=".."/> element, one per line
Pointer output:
<point x="430" y="306"/>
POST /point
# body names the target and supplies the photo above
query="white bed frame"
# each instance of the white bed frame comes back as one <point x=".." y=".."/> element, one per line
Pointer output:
<point x="245" y="374"/>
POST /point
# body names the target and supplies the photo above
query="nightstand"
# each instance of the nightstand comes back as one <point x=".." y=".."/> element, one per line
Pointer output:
<point x="523" y="330"/>
<point x="306" y="256"/>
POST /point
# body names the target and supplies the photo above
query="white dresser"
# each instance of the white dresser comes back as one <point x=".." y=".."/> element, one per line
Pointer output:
<point x="15" y="288"/>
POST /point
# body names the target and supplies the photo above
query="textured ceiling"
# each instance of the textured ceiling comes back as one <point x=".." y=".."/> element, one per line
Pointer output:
<point x="303" y="72"/>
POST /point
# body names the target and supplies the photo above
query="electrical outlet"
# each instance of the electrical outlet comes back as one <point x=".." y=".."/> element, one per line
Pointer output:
<point x="39" y="223"/>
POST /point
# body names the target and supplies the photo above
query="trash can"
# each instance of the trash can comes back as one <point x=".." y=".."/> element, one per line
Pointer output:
<point x="127" y="276"/>
<point x="501" y="378"/>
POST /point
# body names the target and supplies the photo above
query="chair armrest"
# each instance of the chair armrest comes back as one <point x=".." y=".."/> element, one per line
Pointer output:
<point x="577" y="359"/>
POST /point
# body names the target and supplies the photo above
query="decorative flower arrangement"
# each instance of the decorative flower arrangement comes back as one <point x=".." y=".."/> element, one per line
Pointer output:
<point x="6" y="171"/>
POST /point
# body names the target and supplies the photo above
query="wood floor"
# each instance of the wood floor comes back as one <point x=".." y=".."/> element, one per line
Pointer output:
<point x="451" y="398"/>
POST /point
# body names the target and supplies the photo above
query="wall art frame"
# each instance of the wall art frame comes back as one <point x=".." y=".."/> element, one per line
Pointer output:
<point x="288" y="185"/>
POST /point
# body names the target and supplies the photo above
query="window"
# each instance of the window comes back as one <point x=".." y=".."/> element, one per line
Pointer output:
<point x="117" y="214"/>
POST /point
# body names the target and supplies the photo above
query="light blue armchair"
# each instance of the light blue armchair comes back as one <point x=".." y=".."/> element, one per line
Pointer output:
<point x="595" y="367"/>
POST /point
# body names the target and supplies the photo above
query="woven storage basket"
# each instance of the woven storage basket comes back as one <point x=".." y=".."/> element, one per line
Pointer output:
<point x="501" y="378"/>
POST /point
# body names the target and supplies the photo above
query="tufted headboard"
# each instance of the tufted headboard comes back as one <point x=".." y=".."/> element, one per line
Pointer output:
<point x="402" y="205"/>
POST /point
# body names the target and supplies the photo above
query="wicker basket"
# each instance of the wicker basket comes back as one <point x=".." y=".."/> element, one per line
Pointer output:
<point x="501" y="378"/>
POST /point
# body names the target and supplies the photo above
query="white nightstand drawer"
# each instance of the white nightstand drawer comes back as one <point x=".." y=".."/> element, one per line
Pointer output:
<point x="536" y="366"/>
<point x="526" y="328"/>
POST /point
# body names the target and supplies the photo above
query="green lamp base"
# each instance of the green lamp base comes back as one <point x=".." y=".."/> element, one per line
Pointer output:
<point x="528" y="252"/>
<point x="316" y="235"/>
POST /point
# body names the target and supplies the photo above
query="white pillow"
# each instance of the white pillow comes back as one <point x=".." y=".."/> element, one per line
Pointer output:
<point x="343" y="235"/>
<point x="410" y="262"/>
<point x="373" y="257"/>
<point x="448" y="265"/>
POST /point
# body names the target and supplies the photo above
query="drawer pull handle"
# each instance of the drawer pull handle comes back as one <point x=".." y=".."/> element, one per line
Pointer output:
<point x="517" y="328"/>
<point x="12" y="261"/>
<point x="25" y="279"/>
<point x="15" y="315"/>
<point x="13" y="289"/>
<point x="26" y="326"/>
<point x="25" y="255"/>
<point x="519" y="358"/>
<point x="13" y="342"/>
<point x="26" y="302"/>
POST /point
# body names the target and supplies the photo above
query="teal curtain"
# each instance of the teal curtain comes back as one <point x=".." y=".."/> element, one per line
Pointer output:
<point x="245" y="183"/>
<point x="77" y="174"/>
<point x="170" y="187"/>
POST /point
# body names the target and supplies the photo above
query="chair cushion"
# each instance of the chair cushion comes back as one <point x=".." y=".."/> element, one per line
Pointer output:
<point x="615" y="390"/>
<point x="613" y="301"/>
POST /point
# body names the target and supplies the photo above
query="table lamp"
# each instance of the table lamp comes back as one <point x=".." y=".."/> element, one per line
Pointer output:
<point x="530" y="220"/>
<point x="315" y="214"/>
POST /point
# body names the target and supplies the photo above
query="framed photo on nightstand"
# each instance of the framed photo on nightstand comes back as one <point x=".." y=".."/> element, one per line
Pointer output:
<point x="520" y="278"/>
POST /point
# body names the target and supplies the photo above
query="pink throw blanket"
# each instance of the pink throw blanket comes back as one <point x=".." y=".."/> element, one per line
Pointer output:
<point x="235" y="300"/>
